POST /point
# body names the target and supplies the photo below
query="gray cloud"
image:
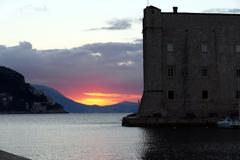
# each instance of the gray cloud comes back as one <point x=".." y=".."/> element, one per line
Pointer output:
<point x="116" y="24"/>
<point x="113" y="66"/>
<point x="223" y="10"/>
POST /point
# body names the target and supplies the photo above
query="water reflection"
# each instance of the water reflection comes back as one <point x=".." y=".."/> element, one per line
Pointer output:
<point x="193" y="144"/>
<point x="101" y="137"/>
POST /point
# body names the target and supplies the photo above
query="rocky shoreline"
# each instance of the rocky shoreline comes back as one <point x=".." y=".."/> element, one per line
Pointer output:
<point x="9" y="156"/>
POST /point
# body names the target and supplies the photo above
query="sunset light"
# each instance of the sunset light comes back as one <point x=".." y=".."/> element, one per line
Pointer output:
<point x="97" y="101"/>
<point x="120" y="79"/>
<point x="103" y="99"/>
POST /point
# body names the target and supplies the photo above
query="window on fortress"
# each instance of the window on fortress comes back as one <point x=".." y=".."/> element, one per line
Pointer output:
<point x="204" y="48"/>
<point x="171" y="70"/>
<point x="238" y="73"/>
<point x="237" y="49"/>
<point x="204" y="94"/>
<point x="170" y="94"/>
<point x="170" y="47"/>
<point x="204" y="72"/>
<point x="238" y="94"/>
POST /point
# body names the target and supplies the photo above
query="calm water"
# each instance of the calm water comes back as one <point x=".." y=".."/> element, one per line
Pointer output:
<point x="101" y="137"/>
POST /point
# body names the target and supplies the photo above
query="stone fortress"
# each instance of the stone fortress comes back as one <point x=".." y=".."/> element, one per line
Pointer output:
<point x="191" y="68"/>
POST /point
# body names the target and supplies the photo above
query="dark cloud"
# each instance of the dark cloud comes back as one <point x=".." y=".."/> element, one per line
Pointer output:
<point x="113" y="66"/>
<point x="116" y="24"/>
<point x="223" y="10"/>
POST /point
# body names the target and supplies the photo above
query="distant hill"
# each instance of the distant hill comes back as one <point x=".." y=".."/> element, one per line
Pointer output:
<point x="75" y="107"/>
<point x="17" y="96"/>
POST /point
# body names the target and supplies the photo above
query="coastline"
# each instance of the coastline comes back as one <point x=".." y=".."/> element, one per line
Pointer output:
<point x="136" y="121"/>
<point x="23" y="112"/>
<point x="9" y="156"/>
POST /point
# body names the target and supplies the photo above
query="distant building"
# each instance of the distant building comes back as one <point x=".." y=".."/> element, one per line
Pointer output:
<point x="39" y="107"/>
<point x="5" y="99"/>
<point x="191" y="67"/>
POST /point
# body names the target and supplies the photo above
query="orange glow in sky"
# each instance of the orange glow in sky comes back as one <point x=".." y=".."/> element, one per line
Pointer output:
<point x="103" y="99"/>
<point x="97" y="101"/>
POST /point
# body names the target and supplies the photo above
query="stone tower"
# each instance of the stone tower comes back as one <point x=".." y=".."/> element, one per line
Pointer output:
<point x="191" y="67"/>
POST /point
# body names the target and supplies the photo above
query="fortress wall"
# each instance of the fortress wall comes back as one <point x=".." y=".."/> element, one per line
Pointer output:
<point x="187" y="32"/>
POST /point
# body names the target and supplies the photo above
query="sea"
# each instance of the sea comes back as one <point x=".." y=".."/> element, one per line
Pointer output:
<point x="101" y="137"/>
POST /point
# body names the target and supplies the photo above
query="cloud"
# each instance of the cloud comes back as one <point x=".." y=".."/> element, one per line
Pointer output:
<point x="223" y="10"/>
<point x="97" y="67"/>
<point x="116" y="24"/>
<point x="33" y="8"/>
<point x="25" y="45"/>
<point x="96" y="54"/>
<point x="126" y="63"/>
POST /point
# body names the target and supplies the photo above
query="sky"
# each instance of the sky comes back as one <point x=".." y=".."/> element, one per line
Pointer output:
<point x="91" y="51"/>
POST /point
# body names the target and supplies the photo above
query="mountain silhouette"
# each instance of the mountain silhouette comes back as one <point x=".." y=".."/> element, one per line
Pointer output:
<point x="75" y="107"/>
<point x="17" y="96"/>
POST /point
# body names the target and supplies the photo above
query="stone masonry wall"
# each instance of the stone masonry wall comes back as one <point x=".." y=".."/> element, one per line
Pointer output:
<point x="188" y="43"/>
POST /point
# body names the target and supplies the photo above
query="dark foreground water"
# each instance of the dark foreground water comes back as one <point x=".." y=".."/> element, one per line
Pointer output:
<point x="101" y="137"/>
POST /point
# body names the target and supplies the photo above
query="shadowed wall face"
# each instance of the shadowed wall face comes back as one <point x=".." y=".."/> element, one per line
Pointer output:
<point x="190" y="64"/>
